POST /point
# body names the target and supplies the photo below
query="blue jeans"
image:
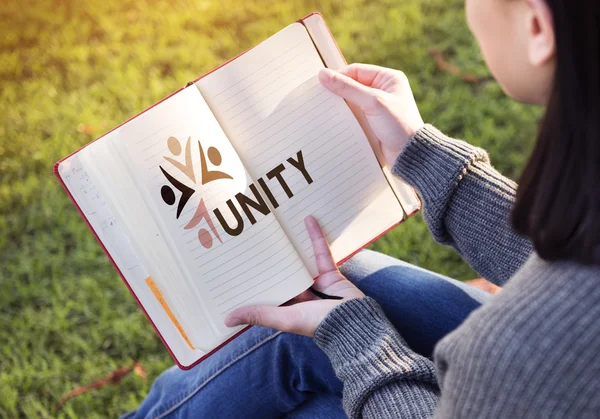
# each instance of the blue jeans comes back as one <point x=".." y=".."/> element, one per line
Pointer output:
<point x="265" y="373"/>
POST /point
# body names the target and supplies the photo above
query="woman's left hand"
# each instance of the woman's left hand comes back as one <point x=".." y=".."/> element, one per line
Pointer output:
<point x="304" y="313"/>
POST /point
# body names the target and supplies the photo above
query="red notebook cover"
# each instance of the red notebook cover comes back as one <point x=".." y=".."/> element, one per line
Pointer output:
<point x="81" y="212"/>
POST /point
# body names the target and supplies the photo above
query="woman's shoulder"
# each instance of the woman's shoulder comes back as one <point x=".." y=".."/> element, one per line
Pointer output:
<point x="544" y="302"/>
<point x="544" y="295"/>
<point x="536" y="340"/>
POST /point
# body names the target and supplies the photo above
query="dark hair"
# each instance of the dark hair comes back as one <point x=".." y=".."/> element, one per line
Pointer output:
<point x="558" y="199"/>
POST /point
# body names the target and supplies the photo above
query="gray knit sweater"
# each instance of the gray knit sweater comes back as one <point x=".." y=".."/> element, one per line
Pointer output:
<point x="530" y="351"/>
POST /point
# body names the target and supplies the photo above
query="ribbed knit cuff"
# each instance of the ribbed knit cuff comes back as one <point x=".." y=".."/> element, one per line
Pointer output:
<point x="355" y="333"/>
<point x="434" y="164"/>
<point x="367" y="353"/>
<point x="352" y="328"/>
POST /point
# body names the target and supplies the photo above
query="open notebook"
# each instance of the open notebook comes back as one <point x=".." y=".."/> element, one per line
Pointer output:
<point x="199" y="201"/>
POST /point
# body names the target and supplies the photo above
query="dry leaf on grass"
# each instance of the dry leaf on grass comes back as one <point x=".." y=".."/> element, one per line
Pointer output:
<point x="85" y="129"/>
<point x="112" y="378"/>
<point x="444" y="65"/>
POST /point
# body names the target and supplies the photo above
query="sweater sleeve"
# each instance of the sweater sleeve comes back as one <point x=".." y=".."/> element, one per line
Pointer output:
<point x="466" y="202"/>
<point x="383" y="378"/>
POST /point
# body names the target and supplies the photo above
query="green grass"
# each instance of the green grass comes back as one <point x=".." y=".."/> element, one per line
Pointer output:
<point x="65" y="317"/>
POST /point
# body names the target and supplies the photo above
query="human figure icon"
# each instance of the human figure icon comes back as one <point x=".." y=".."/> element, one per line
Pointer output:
<point x="175" y="148"/>
<point x="214" y="156"/>
<point x="204" y="235"/>
<point x="168" y="195"/>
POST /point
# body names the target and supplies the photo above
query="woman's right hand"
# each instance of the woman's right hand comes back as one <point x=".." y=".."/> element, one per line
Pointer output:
<point x="384" y="95"/>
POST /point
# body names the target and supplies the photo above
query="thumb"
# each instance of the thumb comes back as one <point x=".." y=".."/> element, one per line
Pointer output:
<point x="266" y="316"/>
<point x="347" y="87"/>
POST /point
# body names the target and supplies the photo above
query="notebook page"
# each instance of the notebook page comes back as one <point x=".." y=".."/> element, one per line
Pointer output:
<point x="125" y="202"/>
<point x="108" y="229"/>
<point x="272" y="107"/>
<point x="194" y="184"/>
<point x="333" y="58"/>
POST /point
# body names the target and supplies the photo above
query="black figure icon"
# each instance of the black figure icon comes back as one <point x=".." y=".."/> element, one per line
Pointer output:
<point x="169" y="196"/>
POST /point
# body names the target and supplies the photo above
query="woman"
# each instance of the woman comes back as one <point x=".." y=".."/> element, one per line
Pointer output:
<point x="529" y="351"/>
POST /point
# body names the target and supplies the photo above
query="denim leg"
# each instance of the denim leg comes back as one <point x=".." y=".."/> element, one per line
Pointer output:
<point x="261" y="374"/>
<point x="422" y="305"/>
<point x="265" y="373"/>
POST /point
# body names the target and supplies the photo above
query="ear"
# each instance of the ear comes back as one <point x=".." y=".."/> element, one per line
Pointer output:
<point x="542" y="47"/>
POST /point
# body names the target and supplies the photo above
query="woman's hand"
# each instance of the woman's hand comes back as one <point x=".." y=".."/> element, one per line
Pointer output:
<point x="384" y="95"/>
<point x="304" y="313"/>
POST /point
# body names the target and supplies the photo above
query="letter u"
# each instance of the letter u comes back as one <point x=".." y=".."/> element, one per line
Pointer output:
<point x="240" y="222"/>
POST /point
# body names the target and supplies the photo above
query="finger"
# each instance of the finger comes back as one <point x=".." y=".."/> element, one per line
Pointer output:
<point x="323" y="257"/>
<point x="256" y="315"/>
<point x="286" y="319"/>
<point x="366" y="74"/>
<point x="346" y="87"/>
<point x="373" y="76"/>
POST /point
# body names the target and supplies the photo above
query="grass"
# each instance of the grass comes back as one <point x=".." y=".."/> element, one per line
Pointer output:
<point x="71" y="70"/>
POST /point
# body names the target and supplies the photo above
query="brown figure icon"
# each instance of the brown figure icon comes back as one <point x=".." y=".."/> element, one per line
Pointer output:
<point x="214" y="156"/>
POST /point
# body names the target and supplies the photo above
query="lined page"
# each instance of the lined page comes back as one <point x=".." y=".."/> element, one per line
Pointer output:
<point x="187" y="171"/>
<point x="272" y="106"/>
<point x="126" y="203"/>
<point x="333" y="58"/>
<point x="94" y="206"/>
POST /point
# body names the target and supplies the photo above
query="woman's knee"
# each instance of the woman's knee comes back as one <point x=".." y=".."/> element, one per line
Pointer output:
<point x="366" y="263"/>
